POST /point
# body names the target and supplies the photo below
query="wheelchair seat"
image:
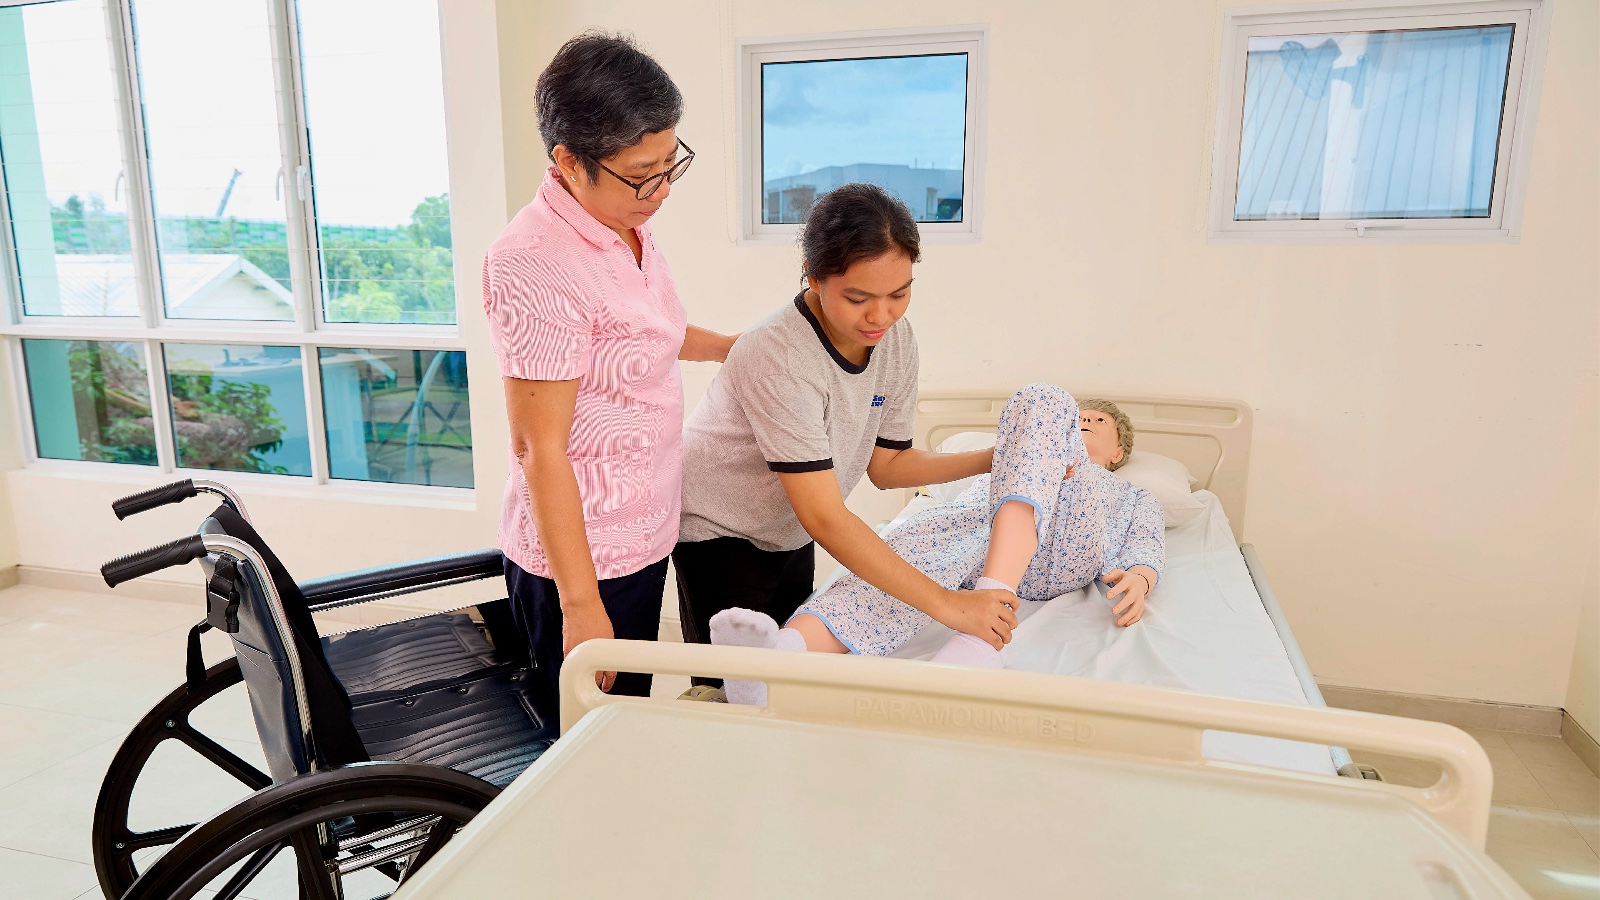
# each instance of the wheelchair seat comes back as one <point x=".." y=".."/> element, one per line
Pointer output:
<point x="374" y="662"/>
<point x="484" y="726"/>
<point x="442" y="689"/>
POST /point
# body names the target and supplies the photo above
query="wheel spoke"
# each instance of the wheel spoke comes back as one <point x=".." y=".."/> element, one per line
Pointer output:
<point x="316" y="881"/>
<point x="224" y="758"/>
<point x="247" y="874"/>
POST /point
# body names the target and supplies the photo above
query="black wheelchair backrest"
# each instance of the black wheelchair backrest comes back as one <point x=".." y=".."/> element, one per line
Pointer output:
<point x="267" y="662"/>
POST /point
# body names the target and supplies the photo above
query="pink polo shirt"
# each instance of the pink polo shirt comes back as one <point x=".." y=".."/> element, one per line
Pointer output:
<point x="566" y="300"/>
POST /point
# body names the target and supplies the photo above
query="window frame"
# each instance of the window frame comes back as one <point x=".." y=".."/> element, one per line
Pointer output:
<point x="1518" y="112"/>
<point x="151" y="327"/>
<point x="972" y="40"/>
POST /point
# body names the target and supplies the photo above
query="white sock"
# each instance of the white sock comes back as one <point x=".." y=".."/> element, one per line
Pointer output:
<point x="962" y="650"/>
<point x="748" y="628"/>
<point x="985" y="583"/>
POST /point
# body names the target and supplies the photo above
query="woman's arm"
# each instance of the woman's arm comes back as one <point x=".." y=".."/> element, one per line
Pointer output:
<point x="915" y="468"/>
<point x="816" y="502"/>
<point x="540" y="413"/>
<point x="702" y="345"/>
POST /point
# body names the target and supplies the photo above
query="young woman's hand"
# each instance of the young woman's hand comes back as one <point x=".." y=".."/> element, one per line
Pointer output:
<point x="990" y="615"/>
<point x="586" y="622"/>
<point x="1134" y="586"/>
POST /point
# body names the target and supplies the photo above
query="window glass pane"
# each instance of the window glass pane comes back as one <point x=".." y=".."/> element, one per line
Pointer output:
<point x="211" y="126"/>
<point x="239" y="407"/>
<point x="63" y="161"/>
<point x="399" y="416"/>
<point x="899" y="122"/>
<point x="375" y="109"/>
<point x="90" y="401"/>
<point x="1372" y="125"/>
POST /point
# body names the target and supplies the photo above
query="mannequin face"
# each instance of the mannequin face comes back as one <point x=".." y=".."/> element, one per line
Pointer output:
<point x="1100" y="437"/>
<point x="612" y="203"/>
<point x="858" y="306"/>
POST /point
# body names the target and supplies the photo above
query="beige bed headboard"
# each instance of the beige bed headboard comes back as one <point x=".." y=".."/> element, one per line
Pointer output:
<point x="1211" y="437"/>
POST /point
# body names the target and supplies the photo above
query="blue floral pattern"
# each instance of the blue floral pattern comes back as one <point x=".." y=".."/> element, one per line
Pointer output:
<point x="1089" y="524"/>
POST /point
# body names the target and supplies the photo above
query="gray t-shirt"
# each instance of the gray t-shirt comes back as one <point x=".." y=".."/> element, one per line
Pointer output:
<point x="787" y="401"/>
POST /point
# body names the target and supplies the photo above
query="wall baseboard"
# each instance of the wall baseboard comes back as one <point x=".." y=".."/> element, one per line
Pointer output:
<point x="1582" y="742"/>
<point x="1449" y="710"/>
<point x="9" y="577"/>
<point x="189" y="593"/>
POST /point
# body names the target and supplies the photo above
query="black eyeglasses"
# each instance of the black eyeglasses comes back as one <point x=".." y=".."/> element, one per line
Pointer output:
<point x="647" y="188"/>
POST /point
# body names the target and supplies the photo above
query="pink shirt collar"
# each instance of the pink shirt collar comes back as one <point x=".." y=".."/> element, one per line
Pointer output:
<point x="572" y="212"/>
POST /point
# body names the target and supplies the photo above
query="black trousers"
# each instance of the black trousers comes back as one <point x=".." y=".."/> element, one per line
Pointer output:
<point x="726" y="572"/>
<point x="633" y="602"/>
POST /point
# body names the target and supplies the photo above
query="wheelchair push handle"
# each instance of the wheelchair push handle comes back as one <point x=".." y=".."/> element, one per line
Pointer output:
<point x="134" y="565"/>
<point x="134" y="504"/>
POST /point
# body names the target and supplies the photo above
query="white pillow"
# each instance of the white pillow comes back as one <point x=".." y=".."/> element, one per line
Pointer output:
<point x="1163" y="476"/>
<point x="960" y="442"/>
<point x="1168" y="480"/>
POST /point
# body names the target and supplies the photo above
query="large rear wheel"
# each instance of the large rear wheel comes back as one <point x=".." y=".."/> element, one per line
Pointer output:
<point x="115" y="840"/>
<point x="390" y="817"/>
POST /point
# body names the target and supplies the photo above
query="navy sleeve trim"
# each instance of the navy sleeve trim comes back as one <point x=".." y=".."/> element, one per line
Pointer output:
<point x="816" y="465"/>
<point x="887" y="444"/>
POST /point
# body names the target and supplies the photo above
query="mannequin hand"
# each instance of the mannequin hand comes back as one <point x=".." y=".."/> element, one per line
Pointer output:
<point x="583" y="623"/>
<point x="1133" y="587"/>
<point x="990" y="615"/>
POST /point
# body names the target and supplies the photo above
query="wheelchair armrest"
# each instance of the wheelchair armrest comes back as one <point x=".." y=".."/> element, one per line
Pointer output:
<point x="401" y="578"/>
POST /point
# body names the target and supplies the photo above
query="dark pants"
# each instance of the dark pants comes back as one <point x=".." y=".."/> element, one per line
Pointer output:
<point x="633" y="602"/>
<point x="726" y="572"/>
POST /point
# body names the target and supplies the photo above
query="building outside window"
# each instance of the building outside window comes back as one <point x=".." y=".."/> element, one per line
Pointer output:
<point x="899" y="110"/>
<point x="1376" y="121"/>
<point x="189" y="257"/>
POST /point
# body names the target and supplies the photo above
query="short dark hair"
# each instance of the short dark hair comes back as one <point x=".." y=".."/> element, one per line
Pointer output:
<point x="854" y="222"/>
<point x="600" y="95"/>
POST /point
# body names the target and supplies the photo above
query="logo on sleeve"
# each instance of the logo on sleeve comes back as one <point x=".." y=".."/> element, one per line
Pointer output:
<point x="877" y="399"/>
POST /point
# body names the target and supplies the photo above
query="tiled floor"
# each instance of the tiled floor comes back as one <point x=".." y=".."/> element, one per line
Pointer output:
<point x="1544" y="827"/>
<point x="78" y="669"/>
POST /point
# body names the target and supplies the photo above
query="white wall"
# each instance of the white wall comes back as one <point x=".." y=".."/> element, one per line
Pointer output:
<point x="1425" y="461"/>
<point x="1423" y="474"/>
<point x="1583" y="684"/>
<point x="10" y="458"/>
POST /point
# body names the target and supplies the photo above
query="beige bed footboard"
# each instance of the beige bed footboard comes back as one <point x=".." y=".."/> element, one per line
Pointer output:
<point x="1048" y="712"/>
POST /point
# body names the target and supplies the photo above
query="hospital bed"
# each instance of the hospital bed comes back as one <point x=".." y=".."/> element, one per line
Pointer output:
<point x="886" y="778"/>
<point x="1213" y="624"/>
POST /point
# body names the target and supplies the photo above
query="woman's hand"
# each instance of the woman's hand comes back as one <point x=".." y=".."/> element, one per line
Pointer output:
<point x="586" y="622"/>
<point x="1134" y="585"/>
<point x="990" y="615"/>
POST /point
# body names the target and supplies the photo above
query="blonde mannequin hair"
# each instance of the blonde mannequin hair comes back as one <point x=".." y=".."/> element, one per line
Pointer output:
<point x="1123" y="423"/>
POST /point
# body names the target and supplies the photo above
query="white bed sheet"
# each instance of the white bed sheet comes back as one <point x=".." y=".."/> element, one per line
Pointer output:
<point x="1204" y="630"/>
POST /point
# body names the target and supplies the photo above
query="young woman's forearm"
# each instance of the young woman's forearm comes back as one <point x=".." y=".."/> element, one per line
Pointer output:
<point x="915" y="468"/>
<point x="558" y="519"/>
<point x="704" y="345"/>
<point x="858" y="548"/>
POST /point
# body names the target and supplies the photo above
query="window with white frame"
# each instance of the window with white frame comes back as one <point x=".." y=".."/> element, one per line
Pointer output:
<point x="1376" y="120"/>
<point x="902" y="110"/>
<point x="227" y="237"/>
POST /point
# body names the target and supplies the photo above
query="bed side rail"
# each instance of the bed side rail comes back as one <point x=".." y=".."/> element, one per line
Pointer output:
<point x="1044" y="712"/>
<point x="379" y="582"/>
<point x="1297" y="659"/>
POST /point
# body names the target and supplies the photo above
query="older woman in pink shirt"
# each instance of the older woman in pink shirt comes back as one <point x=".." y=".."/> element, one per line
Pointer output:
<point x="588" y="331"/>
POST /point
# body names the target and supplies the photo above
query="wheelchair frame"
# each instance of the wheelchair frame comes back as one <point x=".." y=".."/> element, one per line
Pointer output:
<point x="340" y="815"/>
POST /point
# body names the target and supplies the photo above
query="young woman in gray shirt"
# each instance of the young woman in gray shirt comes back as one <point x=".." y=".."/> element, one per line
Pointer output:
<point x="819" y="393"/>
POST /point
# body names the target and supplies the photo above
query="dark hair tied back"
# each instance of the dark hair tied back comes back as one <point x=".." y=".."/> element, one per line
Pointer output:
<point x="855" y="222"/>
<point x="601" y="95"/>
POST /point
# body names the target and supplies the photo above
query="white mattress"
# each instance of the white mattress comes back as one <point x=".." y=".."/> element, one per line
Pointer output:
<point x="1204" y="630"/>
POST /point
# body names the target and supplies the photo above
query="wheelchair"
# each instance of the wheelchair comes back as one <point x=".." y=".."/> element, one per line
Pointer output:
<point x="380" y="743"/>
